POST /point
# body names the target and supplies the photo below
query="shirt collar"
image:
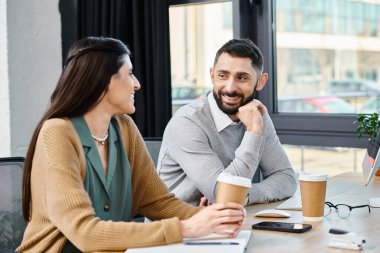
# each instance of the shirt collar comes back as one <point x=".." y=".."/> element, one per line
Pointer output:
<point x="221" y="119"/>
<point x="85" y="134"/>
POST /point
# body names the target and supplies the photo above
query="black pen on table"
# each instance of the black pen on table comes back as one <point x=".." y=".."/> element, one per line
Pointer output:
<point x="211" y="243"/>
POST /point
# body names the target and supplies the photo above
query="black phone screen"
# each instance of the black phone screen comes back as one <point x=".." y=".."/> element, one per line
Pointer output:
<point x="282" y="226"/>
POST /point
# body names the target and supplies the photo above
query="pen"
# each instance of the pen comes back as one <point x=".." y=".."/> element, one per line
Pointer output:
<point x="211" y="243"/>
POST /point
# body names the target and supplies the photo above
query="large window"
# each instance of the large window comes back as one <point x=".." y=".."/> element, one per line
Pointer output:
<point x="326" y="61"/>
<point x="197" y="31"/>
<point x="328" y="56"/>
<point x="308" y="56"/>
<point x="322" y="57"/>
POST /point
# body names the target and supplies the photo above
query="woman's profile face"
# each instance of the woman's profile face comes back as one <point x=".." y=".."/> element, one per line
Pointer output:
<point x="120" y="96"/>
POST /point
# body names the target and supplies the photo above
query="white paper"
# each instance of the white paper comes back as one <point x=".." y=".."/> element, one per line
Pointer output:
<point x="242" y="238"/>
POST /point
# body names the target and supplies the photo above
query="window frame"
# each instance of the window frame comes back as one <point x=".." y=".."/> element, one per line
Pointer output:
<point x="254" y="19"/>
<point x="333" y="130"/>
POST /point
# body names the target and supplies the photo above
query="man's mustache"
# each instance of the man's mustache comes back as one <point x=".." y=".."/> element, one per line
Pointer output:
<point x="231" y="94"/>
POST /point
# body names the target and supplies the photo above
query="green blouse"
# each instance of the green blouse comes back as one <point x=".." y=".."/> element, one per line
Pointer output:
<point x="111" y="194"/>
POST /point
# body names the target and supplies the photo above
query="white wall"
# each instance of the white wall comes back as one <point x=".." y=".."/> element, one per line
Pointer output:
<point x="4" y="91"/>
<point x="34" y="65"/>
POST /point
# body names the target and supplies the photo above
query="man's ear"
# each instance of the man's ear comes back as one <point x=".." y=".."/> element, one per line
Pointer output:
<point x="262" y="81"/>
<point x="212" y="75"/>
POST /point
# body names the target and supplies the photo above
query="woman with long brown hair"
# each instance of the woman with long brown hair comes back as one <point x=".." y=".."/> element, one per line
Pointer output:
<point x="88" y="172"/>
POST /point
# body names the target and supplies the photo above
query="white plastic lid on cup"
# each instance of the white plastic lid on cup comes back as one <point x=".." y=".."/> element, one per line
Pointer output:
<point x="314" y="177"/>
<point x="228" y="178"/>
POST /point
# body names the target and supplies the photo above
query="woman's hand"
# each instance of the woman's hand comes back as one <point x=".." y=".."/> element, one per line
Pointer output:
<point x="221" y="218"/>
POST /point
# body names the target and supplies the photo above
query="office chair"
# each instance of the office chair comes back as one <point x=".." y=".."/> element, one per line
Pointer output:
<point x="257" y="177"/>
<point x="153" y="144"/>
<point x="12" y="224"/>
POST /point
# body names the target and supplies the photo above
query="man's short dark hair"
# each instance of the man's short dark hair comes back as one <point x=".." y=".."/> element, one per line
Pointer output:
<point x="243" y="48"/>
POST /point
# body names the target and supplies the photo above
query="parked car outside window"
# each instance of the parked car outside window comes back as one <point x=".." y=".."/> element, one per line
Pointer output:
<point x="360" y="87"/>
<point x="188" y="92"/>
<point x="371" y="105"/>
<point x="325" y="104"/>
<point x="185" y="95"/>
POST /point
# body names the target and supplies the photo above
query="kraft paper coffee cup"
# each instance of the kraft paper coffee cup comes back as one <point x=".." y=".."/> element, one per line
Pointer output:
<point x="232" y="188"/>
<point x="313" y="193"/>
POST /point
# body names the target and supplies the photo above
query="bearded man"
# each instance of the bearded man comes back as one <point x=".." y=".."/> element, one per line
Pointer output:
<point x="226" y="131"/>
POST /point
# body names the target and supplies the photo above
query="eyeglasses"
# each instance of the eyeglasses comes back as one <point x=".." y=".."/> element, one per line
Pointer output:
<point x="342" y="210"/>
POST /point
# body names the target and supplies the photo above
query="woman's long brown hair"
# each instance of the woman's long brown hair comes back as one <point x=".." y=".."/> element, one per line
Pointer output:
<point x="90" y="64"/>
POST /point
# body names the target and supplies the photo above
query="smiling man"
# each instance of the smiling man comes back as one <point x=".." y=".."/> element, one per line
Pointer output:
<point x="226" y="131"/>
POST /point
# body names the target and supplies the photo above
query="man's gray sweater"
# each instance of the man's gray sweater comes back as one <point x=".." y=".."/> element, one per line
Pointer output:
<point x="194" y="153"/>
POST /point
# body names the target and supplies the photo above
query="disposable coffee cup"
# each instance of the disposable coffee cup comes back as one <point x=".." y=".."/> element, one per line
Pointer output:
<point x="313" y="193"/>
<point x="232" y="188"/>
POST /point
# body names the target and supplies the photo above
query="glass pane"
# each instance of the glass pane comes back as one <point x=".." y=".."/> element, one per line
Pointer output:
<point x="336" y="160"/>
<point x="196" y="33"/>
<point x="328" y="56"/>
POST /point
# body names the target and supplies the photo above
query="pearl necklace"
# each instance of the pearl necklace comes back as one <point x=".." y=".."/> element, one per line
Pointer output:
<point x="100" y="139"/>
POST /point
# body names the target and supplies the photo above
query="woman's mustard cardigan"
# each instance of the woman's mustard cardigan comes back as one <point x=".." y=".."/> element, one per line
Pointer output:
<point x="61" y="210"/>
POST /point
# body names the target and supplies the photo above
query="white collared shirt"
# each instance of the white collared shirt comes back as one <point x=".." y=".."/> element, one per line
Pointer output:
<point x="221" y="119"/>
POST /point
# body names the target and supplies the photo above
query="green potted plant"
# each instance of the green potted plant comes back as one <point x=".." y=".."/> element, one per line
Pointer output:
<point x="369" y="125"/>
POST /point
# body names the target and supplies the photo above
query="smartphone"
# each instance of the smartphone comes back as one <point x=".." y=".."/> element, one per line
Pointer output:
<point x="282" y="226"/>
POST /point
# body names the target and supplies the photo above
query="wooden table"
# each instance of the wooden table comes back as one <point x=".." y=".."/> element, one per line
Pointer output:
<point x="347" y="188"/>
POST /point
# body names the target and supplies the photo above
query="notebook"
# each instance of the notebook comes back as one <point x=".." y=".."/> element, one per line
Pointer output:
<point x="242" y="239"/>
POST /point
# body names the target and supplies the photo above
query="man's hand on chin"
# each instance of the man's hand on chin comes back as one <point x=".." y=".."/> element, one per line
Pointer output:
<point x="251" y="115"/>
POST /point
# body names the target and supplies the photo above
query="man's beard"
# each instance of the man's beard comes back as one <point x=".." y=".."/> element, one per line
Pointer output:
<point x="231" y="110"/>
